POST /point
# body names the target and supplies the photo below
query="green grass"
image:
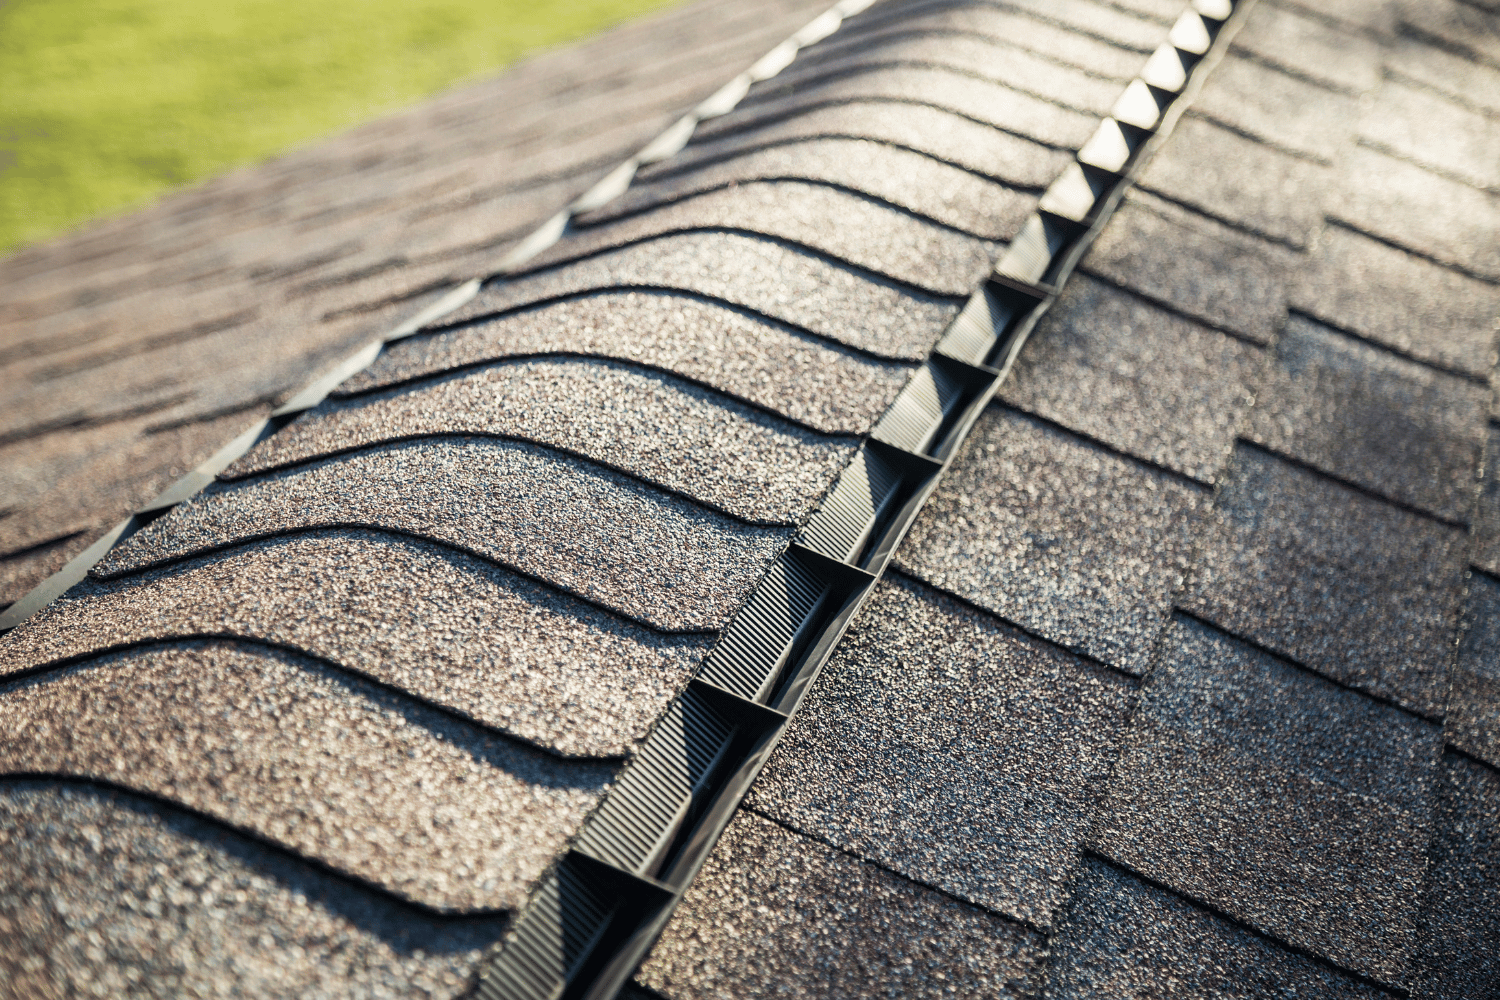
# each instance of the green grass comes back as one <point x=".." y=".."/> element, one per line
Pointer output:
<point x="105" y="105"/>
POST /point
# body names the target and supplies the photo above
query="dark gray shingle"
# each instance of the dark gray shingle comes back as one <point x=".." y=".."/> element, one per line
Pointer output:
<point x="1473" y="723"/>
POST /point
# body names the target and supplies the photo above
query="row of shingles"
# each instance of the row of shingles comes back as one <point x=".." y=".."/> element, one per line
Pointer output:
<point x="181" y="354"/>
<point x="307" y="600"/>
<point x="878" y="852"/>
<point x="1232" y="754"/>
<point x="245" y="731"/>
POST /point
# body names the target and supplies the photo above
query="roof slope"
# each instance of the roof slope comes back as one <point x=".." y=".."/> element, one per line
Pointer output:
<point x="1181" y="683"/>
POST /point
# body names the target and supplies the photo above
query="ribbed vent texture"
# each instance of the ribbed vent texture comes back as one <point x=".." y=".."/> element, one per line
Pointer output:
<point x="654" y="792"/>
<point x="840" y="526"/>
<point x="918" y="412"/>
<point x="553" y="936"/>
<point x="762" y="632"/>
<point x="972" y="335"/>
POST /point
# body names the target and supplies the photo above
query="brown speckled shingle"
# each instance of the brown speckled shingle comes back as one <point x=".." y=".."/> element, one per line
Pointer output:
<point x="1247" y="783"/>
<point x="953" y="750"/>
<point x="337" y="769"/>
<point x="445" y="627"/>
<point x="1059" y="536"/>
<point x="1349" y="585"/>
<point x="652" y="426"/>
<point x="596" y="533"/>
<point x="775" y="910"/>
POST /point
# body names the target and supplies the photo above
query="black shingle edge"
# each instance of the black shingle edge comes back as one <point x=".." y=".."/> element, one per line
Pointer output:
<point x="612" y="185"/>
<point x="599" y="912"/>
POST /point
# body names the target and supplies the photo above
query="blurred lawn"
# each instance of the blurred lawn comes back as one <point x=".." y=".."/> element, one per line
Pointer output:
<point x="105" y="104"/>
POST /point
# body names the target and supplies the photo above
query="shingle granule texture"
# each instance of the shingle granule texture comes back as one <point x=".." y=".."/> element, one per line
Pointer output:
<point x="1346" y="584"/>
<point x="1416" y="124"/>
<point x="1486" y="548"/>
<point x="771" y="907"/>
<point x="770" y="365"/>
<point x="1460" y="920"/>
<point x="951" y="749"/>
<point x="336" y="769"/>
<point x="983" y="101"/>
<point x="1276" y="107"/>
<point x="1472" y="84"/>
<point x="1224" y="277"/>
<point x="783" y="282"/>
<point x="1473" y="723"/>
<point x="1145" y="381"/>
<point x="913" y="181"/>
<point x="102" y="894"/>
<point x="443" y="626"/>
<point x="1311" y="48"/>
<point x="652" y="426"/>
<point x="1415" y="306"/>
<point x="1098" y="19"/>
<point x="1418" y="209"/>
<point x="1373" y="418"/>
<point x="964" y="53"/>
<point x="854" y="228"/>
<point x="1059" y="536"/>
<point x="1126" y="938"/>
<point x="596" y="533"/>
<point x="1292" y="804"/>
<point x="1240" y="181"/>
<point x="939" y="134"/>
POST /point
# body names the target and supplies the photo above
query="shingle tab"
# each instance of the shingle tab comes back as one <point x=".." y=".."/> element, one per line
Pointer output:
<point x="953" y="750"/>
<point x="1240" y="181"/>
<point x="443" y="626"/>
<point x="1278" y="108"/>
<point x="1473" y="84"/>
<point x="1245" y="781"/>
<point x="339" y="770"/>
<point x="1339" y="59"/>
<point x="1203" y="268"/>
<point x="668" y="432"/>
<point x="1422" y="126"/>
<point x="105" y="894"/>
<point x="1347" y="584"/>
<point x="1473" y="723"/>
<point x="786" y="283"/>
<point x="1486" y="548"/>
<point x="773" y="907"/>
<point x="1370" y="417"/>
<point x="1401" y="300"/>
<point x="1140" y="379"/>
<point x="1058" y="536"/>
<point x="593" y="532"/>
<point x="940" y="134"/>
<point x="1099" y="19"/>
<point x="855" y="229"/>
<point x="917" y="183"/>
<point x="1126" y="938"/>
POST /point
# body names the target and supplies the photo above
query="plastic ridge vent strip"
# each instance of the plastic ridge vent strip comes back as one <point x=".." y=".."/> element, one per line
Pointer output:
<point x="596" y="917"/>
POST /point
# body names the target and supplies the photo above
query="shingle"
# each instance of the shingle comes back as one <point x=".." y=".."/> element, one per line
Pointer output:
<point x="1240" y="181"/>
<point x="1339" y="58"/>
<point x="1347" y="584"/>
<point x="953" y="750"/>
<point x="917" y="183"/>
<point x="1416" y="124"/>
<point x="1486" y="547"/>
<point x="1397" y="428"/>
<point x="1006" y="26"/>
<point x="1460" y="918"/>
<point x="1127" y="938"/>
<point x="1003" y="64"/>
<point x="853" y="228"/>
<point x="1163" y="388"/>
<point x="775" y="911"/>
<point x="443" y="626"/>
<point x="1098" y="19"/>
<point x="1473" y="723"/>
<point x="596" y="533"/>
<point x="1294" y="805"/>
<point x="652" y="426"/>
<point x="1278" y="108"/>
<point x="783" y="282"/>
<point x="940" y="134"/>
<point x="103" y="894"/>
<point x="780" y="369"/>
<point x="1207" y="270"/>
<point x="1413" y="305"/>
<point x="336" y="769"/>
<point x="980" y="100"/>
<point x="1473" y="84"/>
<point x="1464" y="27"/>
<point x="1416" y="208"/>
<point x="1059" y="536"/>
